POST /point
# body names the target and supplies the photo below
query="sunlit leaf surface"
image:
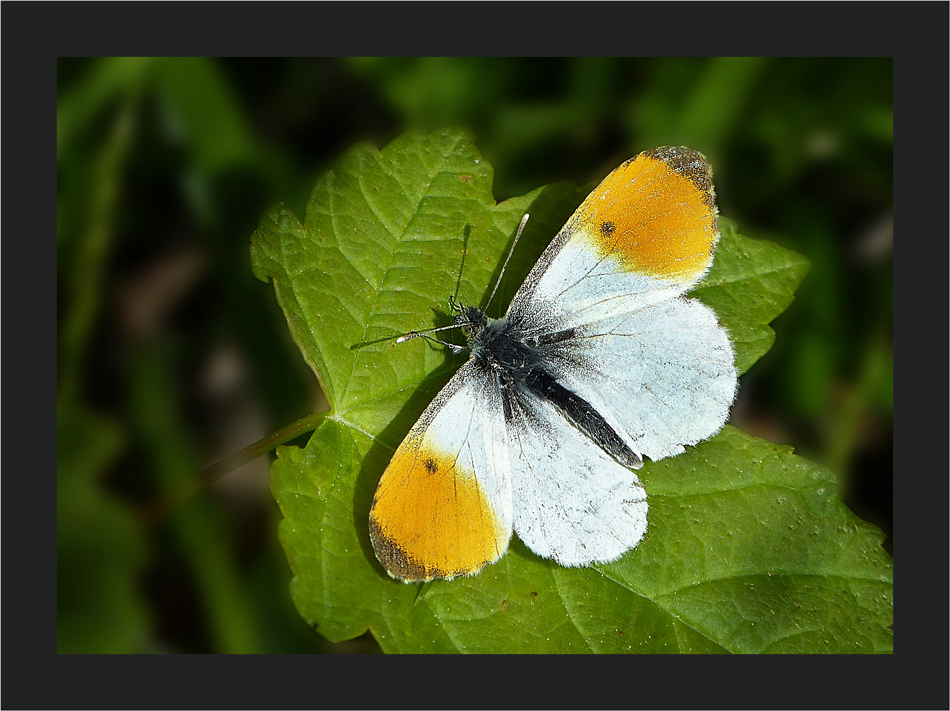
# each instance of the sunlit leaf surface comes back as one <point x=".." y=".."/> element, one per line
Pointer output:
<point x="748" y="547"/>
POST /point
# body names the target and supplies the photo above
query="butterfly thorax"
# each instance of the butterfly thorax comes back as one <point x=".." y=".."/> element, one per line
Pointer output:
<point x="497" y="346"/>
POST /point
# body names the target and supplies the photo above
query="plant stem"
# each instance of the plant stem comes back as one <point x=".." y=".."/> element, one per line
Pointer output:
<point x="158" y="507"/>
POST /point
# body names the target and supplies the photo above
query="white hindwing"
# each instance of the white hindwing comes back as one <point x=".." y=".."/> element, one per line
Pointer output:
<point x="663" y="376"/>
<point x="573" y="502"/>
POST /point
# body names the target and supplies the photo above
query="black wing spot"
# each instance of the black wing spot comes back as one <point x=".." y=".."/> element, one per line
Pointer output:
<point x="431" y="466"/>
<point x="607" y="228"/>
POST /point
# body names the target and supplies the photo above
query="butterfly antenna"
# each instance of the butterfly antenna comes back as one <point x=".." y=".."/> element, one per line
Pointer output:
<point x="425" y="334"/>
<point x="455" y="305"/>
<point x="507" y="259"/>
<point x="458" y="280"/>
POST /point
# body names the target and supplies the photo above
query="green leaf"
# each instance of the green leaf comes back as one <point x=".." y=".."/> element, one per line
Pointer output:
<point x="748" y="548"/>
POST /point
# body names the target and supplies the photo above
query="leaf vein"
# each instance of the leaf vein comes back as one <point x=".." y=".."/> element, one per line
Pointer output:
<point x="371" y="312"/>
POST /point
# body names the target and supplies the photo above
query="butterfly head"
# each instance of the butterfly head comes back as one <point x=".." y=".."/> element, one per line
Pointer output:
<point x="472" y="320"/>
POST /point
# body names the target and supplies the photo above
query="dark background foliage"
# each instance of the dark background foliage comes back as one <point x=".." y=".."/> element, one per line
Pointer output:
<point x="171" y="355"/>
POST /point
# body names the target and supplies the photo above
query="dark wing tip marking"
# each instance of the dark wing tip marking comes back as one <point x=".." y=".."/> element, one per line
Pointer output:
<point x="399" y="564"/>
<point x="688" y="163"/>
<point x="394" y="559"/>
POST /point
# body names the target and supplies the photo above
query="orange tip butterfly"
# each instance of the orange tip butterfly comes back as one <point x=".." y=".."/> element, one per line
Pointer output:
<point x="600" y="361"/>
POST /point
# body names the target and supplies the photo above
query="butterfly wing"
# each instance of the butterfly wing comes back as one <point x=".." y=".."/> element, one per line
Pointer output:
<point x="443" y="507"/>
<point x="573" y="502"/>
<point x="604" y="304"/>
<point x="646" y="234"/>
<point x="662" y="377"/>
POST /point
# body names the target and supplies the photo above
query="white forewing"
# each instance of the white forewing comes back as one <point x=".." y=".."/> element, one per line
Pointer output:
<point x="575" y="283"/>
<point x="443" y="506"/>
<point x="466" y="421"/>
<point x="573" y="502"/>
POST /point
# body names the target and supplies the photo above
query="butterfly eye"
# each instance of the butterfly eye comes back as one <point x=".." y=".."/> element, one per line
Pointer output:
<point x="464" y="323"/>
<point x="531" y="341"/>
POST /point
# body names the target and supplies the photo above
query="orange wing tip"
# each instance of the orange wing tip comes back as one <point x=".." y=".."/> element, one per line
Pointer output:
<point x="656" y="214"/>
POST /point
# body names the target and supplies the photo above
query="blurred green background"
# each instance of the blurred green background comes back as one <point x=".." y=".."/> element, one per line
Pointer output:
<point x="172" y="356"/>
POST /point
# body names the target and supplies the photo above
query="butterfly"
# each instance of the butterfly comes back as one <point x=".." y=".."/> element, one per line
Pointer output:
<point x="599" y="362"/>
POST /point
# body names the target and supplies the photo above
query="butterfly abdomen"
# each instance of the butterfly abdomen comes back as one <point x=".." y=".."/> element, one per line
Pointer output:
<point x="583" y="416"/>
